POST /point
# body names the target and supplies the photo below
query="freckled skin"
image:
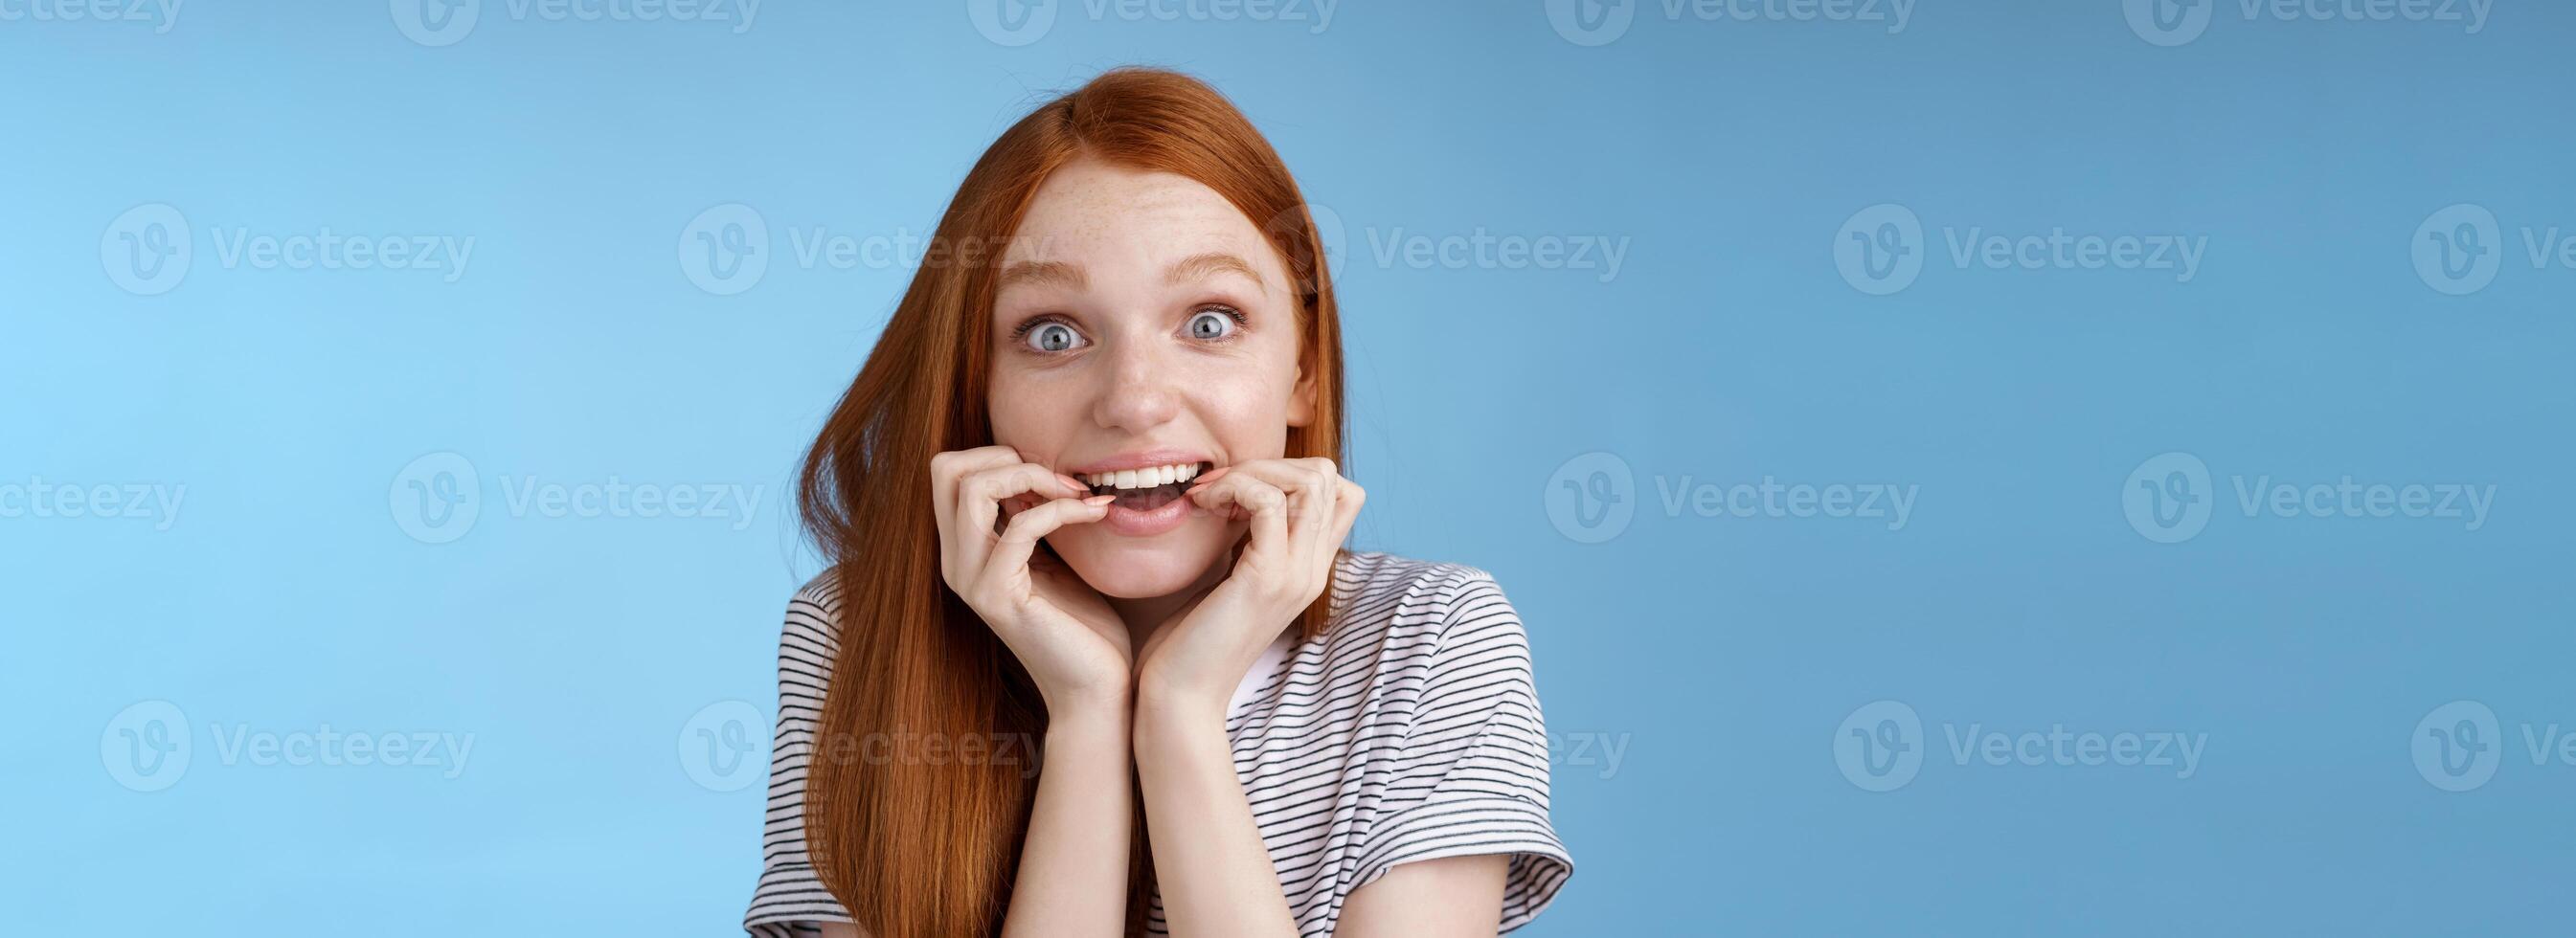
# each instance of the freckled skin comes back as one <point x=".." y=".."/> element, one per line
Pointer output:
<point x="1137" y="378"/>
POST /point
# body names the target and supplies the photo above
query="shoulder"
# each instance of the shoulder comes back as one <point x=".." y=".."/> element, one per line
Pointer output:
<point x="809" y="639"/>
<point x="1410" y="611"/>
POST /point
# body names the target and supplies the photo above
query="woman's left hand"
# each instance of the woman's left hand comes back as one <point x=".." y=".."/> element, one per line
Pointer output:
<point x="1301" y="510"/>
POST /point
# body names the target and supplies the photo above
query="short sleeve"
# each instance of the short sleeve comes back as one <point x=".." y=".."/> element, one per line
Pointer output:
<point x="1471" y="764"/>
<point x="789" y="900"/>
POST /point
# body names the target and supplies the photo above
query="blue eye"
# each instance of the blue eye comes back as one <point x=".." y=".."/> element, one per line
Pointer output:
<point x="1052" y="337"/>
<point x="1214" y="324"/>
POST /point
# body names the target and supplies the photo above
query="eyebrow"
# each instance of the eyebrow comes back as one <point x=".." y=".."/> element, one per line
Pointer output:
<point x="1193" y="267"/>
<point x="1043" y="272"/>
<point x="1201" y="266"/>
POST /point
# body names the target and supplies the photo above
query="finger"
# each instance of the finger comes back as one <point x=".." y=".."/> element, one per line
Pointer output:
<point x="946" y="468"/>
<point x="1011" y="552"/>
<point x="1012" y="506"/>
<point x="1263" y="502"/>
<point x="1346" y="511"/>
<point x="979" y="497"/>
<point x="1310" y="484"/>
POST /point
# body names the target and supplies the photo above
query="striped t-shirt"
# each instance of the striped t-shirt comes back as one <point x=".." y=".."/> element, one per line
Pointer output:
<point x="1409" y="731"/>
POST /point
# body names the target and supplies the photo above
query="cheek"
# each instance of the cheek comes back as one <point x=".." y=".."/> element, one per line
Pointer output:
<point x="1027" y="418"/>
<point x="1246" y="408"/>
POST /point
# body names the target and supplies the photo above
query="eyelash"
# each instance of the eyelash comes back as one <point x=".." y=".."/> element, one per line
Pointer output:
<point x="1020" y="333"/>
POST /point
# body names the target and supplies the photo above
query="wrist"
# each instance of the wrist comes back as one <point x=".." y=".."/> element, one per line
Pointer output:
<point x="1165" y="712"/>
<point x="1104" y="708"/>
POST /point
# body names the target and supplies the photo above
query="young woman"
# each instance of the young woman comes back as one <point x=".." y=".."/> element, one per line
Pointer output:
<point x="1083" y="501"/>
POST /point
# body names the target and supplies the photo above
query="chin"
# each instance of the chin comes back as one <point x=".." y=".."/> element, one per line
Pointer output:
<point x="1122" y="566"/>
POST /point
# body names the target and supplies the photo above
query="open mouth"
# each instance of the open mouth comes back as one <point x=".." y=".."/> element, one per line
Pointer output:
<point x="1144" y="489"/>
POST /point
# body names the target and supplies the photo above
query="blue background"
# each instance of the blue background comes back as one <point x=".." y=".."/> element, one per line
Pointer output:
<point x="1722" y="652"/>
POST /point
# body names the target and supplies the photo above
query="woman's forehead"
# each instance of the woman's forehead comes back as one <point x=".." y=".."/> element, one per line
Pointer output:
<point x="1104" y="221"/>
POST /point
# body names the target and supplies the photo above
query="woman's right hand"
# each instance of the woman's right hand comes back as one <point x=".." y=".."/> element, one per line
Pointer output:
<point x="1063" y="632"/>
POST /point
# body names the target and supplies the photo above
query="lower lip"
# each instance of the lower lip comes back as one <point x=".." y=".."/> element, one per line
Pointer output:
<point x="1128" y="522"/>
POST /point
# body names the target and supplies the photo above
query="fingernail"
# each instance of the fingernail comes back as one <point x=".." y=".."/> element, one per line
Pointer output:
<point x="1072" y="483"/>
<point x="1099" y="500"/>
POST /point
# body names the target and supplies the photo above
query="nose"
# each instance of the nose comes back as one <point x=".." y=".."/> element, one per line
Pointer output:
<point x="1139" y="387"/>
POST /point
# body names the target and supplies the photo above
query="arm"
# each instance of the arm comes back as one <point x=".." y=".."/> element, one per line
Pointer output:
<point x="1209" y="859"/>
<point x="1455" y="897"/>
<point x="1076" y="650"/>
<point x="1084" y="812"/>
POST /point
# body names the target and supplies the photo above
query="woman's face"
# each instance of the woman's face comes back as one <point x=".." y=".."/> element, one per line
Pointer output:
<point x="1142" y="322"/>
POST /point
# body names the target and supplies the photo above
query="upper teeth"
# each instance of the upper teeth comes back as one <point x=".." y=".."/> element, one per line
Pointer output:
<point x="1145" y="478"/>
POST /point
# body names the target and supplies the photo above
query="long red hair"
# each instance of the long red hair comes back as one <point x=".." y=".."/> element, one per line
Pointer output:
<point x="930" y="850"/>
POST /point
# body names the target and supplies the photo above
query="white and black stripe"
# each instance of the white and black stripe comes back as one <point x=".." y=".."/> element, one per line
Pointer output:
<point x="1409" y="731"/>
